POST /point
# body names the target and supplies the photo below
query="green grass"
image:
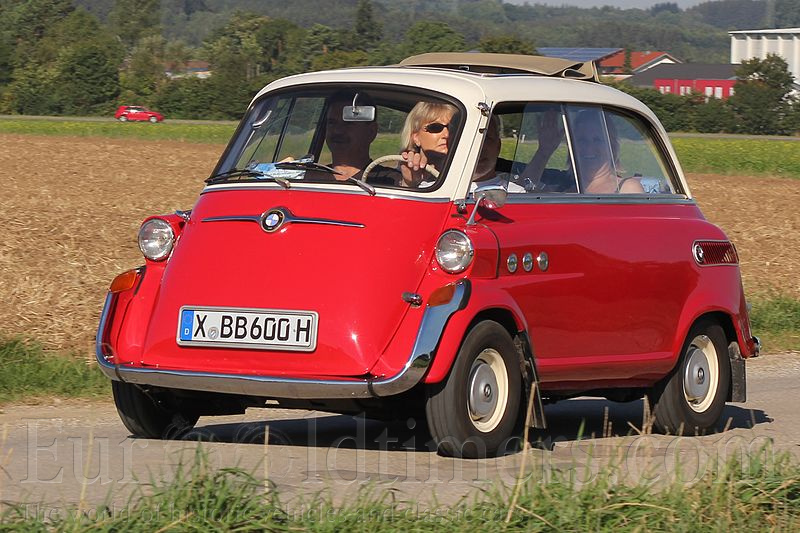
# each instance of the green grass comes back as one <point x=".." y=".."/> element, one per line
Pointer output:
<point x="761" y="493"/>
<point x="776" y="321"/>
<point x="28" y="371"/>
<point x="739" y="156"/>
<point x="218" y="133"/>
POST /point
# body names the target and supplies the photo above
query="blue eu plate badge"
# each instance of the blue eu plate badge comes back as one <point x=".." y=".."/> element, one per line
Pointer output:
<point x="187" y="319"/>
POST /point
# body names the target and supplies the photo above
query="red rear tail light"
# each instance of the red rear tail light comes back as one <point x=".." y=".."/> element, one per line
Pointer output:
<point x="707" y="253"/>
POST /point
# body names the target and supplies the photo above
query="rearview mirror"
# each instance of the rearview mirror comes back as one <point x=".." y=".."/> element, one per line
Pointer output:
<point x="489" y="196"/>
<point x="362" y="113"/>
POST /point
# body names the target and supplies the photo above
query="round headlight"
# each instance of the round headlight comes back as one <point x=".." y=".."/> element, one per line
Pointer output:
<point x="155" y="239"/>
<point x="454" y="251"/>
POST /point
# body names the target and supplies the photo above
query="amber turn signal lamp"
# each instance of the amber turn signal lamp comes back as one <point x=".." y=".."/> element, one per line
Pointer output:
<point x="442" y="295"/>
<point x="124" y="281"/>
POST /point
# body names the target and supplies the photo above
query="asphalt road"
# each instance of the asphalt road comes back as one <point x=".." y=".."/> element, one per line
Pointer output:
<point x="57" y="454"/>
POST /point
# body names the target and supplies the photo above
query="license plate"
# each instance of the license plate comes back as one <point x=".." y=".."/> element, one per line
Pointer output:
<point x="260" y="329"/>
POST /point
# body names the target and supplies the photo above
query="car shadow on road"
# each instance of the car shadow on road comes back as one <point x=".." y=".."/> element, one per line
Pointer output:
<point x="326" y="431"/>
<point x="593" y="418"/>
<point x="568" y="421"/>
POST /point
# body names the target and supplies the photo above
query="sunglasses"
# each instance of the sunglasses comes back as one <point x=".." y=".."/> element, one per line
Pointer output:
<point x="436" y="127"/>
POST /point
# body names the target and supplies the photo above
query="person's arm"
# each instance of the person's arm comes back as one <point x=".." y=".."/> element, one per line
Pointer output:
<point x="550" y="137"/>
<point x="631" y="185"/>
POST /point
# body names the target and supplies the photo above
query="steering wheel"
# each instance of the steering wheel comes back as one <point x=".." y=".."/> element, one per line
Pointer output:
<point x="430" y="169"/>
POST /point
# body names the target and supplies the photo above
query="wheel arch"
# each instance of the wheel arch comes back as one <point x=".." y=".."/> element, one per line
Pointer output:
<point x="509" y="317"/>
<point x="736" y="390"/>
<point x="486" y="303"/>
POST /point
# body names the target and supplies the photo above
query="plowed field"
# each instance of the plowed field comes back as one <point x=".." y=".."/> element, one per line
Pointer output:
<point x="70" y="209"/>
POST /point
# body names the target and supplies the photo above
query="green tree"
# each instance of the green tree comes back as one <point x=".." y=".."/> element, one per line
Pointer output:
<point x="340" y="59"/>
<point x="144" y="71"/>
<point x="427" y="36"/>
<point x="87" y="79"/>
<point x="368" y="32"/>
<point x="133" y="20"/>
<point x="627" y="64"/>
<point x="26" y="23"/>
<point x="763" y="98"/>
<point x="176" y="55"/>
<point x="30" y="91"/>
<point x="713" y="116"/>
<point x="506" y="44"/>
<point x="236" y="50"/>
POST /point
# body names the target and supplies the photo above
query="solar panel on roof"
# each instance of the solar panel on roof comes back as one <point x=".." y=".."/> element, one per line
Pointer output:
<point x="577" y="54"/>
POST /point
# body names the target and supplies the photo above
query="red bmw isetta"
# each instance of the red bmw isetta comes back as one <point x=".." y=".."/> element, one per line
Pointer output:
<point x="448" y="237"/>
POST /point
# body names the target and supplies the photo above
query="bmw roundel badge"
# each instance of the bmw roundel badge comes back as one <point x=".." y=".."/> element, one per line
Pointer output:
<point x="272" y="220"/>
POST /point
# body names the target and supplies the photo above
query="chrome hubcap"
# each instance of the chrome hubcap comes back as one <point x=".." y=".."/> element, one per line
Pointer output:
<point x="483" y="387"/>
<point x="695" y="382"/>
<point x="487" y="394"/>
<point x="701" y="374"/>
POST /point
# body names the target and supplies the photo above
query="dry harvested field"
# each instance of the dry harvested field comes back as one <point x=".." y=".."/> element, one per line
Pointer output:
<point x="70" y="209"/>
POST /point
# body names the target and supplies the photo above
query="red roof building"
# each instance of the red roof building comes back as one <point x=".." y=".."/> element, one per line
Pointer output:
<point x="614" y="65"/>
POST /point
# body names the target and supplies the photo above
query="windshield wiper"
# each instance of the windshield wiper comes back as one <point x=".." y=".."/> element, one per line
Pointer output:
<point x="363" y="184"/>
<point x="309" y="164"/>
<point x="248" y="173"/>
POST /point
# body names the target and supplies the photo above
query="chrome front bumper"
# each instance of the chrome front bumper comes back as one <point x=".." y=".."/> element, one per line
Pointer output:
<point x="430" y="332"/>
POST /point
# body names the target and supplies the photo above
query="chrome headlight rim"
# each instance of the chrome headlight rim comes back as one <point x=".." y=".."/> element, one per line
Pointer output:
<point x="156" y="251"/>
<point x="461" y="263"/>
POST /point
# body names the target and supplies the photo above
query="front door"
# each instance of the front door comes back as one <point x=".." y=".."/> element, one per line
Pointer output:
<point x="597" y="261"/>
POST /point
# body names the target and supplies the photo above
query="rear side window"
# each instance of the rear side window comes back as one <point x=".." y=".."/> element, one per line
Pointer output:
<point x="615" y="153"/>
<point x="570" y="149"/>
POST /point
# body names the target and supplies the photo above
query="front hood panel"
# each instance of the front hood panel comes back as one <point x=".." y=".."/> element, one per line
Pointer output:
<point x="347" y="257"/>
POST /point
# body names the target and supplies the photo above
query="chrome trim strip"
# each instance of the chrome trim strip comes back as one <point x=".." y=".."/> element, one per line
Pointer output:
<point x="574" y="198"/>
<point x="288" y="218"/>
<point x="357" y="191"/>
<point x="430" y="332"/>
<point x="234" y="218"/>
<point x="107" y="368"/>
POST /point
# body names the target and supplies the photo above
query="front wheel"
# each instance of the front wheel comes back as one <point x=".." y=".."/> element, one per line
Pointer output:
<point x="153" y="120"/>
<point x="691" y="399"/>
<point x="146" y="415"/>
<point x="474" y="412"/>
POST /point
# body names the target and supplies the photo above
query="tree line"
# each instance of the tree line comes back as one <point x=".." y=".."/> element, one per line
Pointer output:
<point x="85" y="57"/>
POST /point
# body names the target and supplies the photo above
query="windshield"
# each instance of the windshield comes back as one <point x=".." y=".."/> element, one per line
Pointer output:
<point x="359" y="133"/>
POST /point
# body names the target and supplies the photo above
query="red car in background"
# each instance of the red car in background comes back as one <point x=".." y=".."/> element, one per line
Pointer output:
<point x="131" y="112"/>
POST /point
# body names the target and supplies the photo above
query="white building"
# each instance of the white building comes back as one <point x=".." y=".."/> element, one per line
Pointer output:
<point x="749" y="44"/>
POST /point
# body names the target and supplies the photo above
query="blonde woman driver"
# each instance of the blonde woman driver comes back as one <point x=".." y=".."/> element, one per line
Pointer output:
<point x="426" y="140"/>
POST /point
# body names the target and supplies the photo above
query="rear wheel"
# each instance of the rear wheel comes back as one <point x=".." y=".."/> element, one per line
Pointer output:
<point x="474" y="412"/>
<point x="146" y="416"/>
<point x="123" y="118"/>
<point x="691" y="399"/>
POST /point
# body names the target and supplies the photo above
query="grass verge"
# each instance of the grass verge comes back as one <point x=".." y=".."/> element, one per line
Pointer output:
<point x="197" y="133"/>
<point x="760" y="493"/>
<point x="739" y="156"/>
<point x="776" y="320"/>
<point x="29" y="371"/>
